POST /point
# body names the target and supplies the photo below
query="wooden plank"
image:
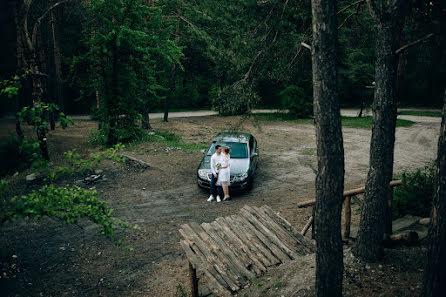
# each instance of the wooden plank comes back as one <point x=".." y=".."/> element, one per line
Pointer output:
<point x="231" y="277"/>
<point x="285" y="238"/>
<point x="193" y="280"/>
<point x="281" y="232"/>
<point x="264" y="239"/>
<point x="306" y="203"/>
<point x="283" y="251"/>
<point x="216" y="286"/>
<point x="237" y="262"/>
<point x="209" y="256"/>
<point x="280" y="220"/>
<point x="239" y="248"/>
<point x="249" y="241"/>
<point x="307" y="226"/>
<point x="204" y="262"/>
<point x="254" y="240"/>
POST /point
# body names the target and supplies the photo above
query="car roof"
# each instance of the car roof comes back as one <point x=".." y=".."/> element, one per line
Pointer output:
<point x="233" y="137"/>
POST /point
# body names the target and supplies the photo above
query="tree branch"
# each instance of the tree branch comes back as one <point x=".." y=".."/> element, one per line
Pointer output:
<point x="25" y="9"/>
<point x="350" y="15"/>
<point x="348" y="6"/>
<point x="37" y="23"/>
<point x="306" y="45"/>
<point x="414" y="43"/>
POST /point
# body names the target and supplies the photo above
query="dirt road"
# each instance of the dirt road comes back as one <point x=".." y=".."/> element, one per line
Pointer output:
<point x="45" y="258"/>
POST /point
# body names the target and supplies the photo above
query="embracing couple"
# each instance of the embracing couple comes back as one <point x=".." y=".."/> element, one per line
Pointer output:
<point x="220" y="173"/>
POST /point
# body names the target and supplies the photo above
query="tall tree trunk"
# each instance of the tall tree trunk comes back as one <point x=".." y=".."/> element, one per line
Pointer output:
<point x="20" y="60"/>
<point x="435" y="271"/>
<point x="172" y="73"/>
<point x="372" y="231"/>
<point x="58" y="85"/>
<point x="112" y="101"/>
<point x="330" y="151"/>
<point x="145" y="116"/>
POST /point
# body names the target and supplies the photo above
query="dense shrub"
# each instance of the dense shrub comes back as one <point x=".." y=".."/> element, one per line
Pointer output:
<point x="234" y="100"/>
<point x="415" y="196"/>
<point x="17" y="156"/>
<point x="295" y="100"/>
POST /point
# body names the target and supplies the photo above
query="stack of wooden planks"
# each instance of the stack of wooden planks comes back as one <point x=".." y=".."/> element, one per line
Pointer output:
<point x="232" y="250"/>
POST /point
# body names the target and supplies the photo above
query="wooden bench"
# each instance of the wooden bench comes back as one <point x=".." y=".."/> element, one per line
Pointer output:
<point x="233" y="250"/>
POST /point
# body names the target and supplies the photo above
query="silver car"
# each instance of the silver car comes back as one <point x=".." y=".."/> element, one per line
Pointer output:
<point x="243" y="163"/>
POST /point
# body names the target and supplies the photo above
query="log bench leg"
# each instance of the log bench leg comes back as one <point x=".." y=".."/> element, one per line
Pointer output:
<point x="193" y="280"/>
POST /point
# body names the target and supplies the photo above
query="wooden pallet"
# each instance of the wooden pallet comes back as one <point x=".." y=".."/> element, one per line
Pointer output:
<point x="232" y="250"/>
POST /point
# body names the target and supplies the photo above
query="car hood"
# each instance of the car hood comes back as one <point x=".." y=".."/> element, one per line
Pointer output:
<point x="237" y="166"/>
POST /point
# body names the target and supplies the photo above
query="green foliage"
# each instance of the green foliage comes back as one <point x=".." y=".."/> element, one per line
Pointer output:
<point x="68" y="203"/>
<point x="29" y="150"/>
<point x="235" y="100"/>
<point x="298" y="104"/>
<point x="16" y="155"/>
<point x="416" y="195"/>
<point x="125" y="59"/>
<point x="75" y="164"/>
<point x="10" y="87"/>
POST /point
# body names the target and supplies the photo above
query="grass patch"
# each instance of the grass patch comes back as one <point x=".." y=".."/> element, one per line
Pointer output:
<point x="170" y="139"/>
<point x="367" y="122"/>
<point x="421" y="113"/>
<point x="281" y="116"/>
<point x="308" y="152"/>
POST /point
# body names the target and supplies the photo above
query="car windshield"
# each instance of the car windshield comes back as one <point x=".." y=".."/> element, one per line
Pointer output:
<point x="238" y="150"/>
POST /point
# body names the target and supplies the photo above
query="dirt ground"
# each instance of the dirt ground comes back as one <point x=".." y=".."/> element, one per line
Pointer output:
<point x="47" y="258"/>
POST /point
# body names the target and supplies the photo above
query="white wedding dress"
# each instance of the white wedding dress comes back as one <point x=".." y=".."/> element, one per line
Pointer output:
<point x="224" y="174"/>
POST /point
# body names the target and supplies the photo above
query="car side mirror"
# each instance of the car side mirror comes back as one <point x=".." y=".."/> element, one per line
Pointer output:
<point x="203" y="151"/>
<point x="254" y="154"/>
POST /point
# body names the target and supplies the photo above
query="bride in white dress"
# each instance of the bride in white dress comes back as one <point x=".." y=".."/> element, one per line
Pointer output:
<point x="224" y="172"/>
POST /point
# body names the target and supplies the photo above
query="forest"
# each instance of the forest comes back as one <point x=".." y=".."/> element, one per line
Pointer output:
<point x="79" y="81"/>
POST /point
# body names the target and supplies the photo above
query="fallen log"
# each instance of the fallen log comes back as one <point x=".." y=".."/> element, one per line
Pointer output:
<point x="136" y="162"/>
<point x="406" y="238"/>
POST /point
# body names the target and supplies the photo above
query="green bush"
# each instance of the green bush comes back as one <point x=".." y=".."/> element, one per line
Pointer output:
<point x="415" y="196"/>
<point x="17" y="156"/>
<point x="298" y="104"/>
<point x="234" y="100"/>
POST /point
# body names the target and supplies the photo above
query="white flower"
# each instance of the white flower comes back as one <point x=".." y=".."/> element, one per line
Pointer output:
<point x="218" y="164"/>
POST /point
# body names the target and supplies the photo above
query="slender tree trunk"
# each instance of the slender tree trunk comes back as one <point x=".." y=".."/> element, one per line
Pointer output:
<point x="58" y="85"/>
<point x="145" y="116"/>
<point x="37" y="97"/>
<point x="330" y="151"/>
<point x="20" y="60"/>
<point x="435" y="271"/>
<point x="112" y="101"/>
<point x="172" y="74"/>
<point x="372" y="231"/>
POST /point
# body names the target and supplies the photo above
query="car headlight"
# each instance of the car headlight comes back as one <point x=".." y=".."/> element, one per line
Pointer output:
<point x="240" y="177"/>
<point x="203" y="173"/>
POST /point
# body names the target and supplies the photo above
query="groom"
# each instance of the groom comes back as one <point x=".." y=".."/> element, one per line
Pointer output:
<point x="216" y="158"/>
